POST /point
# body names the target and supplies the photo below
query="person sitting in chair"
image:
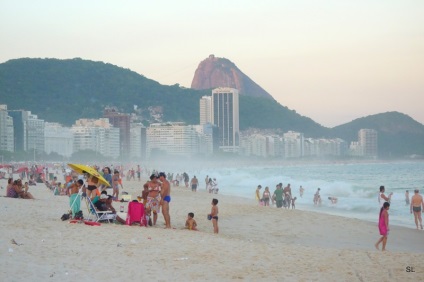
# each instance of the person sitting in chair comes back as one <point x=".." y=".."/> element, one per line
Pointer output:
<point x="105" y="204"/>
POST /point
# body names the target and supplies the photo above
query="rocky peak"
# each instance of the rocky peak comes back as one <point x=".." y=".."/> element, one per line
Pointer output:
<point x="216" y="72"/>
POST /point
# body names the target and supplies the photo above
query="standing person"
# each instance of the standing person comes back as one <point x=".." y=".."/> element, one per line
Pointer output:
<point x="383" y="226"/>
<point x="301" y="190"/>
<point x="107" y="176"/>
<point x="383" y="198"/>
<point x="258" y="195"/>
<point x="115" y="185"/>
<point x="153" y="198"/>
<point x="266" y="196"/>
<point x="417" y="206"/>
<point x="406" y="197"/>
<point x="278" y="195"/>
<point x="317" y="197"/>
<point x="186" y="179"/>
<point x="166" y="198"/>
<point x="214" y="216"/>
<point x="138" y="173"/>
<point x="193" y="183"/>
<point x="206" y="182"/>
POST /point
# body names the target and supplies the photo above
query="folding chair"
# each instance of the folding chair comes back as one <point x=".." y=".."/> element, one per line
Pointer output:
<point x="136" y="214"/>
<point x="95" y="215"/>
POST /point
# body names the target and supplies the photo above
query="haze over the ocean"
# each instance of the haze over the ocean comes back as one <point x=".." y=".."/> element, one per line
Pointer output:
<point x="333" y="61"/>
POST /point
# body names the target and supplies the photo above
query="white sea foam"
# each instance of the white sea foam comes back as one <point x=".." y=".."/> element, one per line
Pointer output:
<point x="355" y="185"/>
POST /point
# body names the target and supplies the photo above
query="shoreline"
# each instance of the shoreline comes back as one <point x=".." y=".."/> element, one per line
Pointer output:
<point x="254" y="243"/>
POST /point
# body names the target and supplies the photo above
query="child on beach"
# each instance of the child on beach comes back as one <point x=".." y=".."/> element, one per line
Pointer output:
<point x="293" y="203"/>
<point x="383" y="226"/>
<point x="190" y="222"/>
<point x="214" y="216"/>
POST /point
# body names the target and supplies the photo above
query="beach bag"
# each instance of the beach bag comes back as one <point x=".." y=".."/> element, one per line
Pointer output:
<point x="79" y="215"/>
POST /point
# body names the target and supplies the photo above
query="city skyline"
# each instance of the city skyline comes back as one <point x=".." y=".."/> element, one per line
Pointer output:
<point x="332" y="61"/>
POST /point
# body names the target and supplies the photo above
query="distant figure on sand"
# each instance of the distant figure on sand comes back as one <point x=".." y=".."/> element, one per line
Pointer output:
<point x="382" y="198"/>
<point x="317" y="197"/>
<point x="190" y="222"/>
<point x="301" y="190"/>
<point x="266" y="196"/>
<point x="193" y="183"/>
<point x="258" y="194"/>
<point x="214" y="216"/>
<point x="417" y="206"/>
<point x="293" y="203"/>
<point x="278" y="195"/>
<point x="383" y="226"/>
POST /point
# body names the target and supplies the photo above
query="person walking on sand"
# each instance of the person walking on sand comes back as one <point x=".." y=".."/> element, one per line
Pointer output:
<point x="166" y="198"/>
<point x="383" y="226"/>
<point x="417" y="206"/>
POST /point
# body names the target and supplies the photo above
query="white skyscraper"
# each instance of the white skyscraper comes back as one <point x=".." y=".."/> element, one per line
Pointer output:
<point x="225" y="115"/>
<point x="205" y="110"/>
<point x="6" y="130"/>
<point x="172" y="138"/>
<point x="58" y="138"/>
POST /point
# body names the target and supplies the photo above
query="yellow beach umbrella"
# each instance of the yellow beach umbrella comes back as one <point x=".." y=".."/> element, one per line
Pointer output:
<point x="81" y="169"/>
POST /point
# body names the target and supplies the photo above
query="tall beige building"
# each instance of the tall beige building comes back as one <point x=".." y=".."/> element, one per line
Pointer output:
<point x="367" y="139"/>
<point x="205" y="110"/>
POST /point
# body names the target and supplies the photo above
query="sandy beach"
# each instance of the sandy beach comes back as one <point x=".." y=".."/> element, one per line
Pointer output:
<point x="254" y="244"/>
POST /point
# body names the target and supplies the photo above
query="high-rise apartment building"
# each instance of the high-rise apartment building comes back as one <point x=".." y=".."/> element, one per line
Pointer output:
<point x="225" y="115"/>
<point x="121" y="121"/>
<point x="172" y="138"/>
<point x="96" y="135"/>
<point x="35" y="133"/>
<point x="20" y="118"/>
<point x="367" y="139"/>
<point x="58" y="139"/>
<point x="6" y="130"/>
<point x="293" y="144"/>
<point x="205" y="110"/>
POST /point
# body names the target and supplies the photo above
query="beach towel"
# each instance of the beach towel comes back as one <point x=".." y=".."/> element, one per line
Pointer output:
<point x="75" y="203"/>
<point x="136" y="214"/>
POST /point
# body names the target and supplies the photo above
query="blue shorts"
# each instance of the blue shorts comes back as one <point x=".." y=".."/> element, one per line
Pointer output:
<point x="167" y="198"/>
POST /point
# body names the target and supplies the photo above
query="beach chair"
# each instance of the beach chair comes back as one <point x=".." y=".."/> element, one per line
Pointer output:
<point x="136" y="214"/>
<point x="95" y="215"/>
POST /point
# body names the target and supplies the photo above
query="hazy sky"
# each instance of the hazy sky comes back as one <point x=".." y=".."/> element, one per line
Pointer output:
<point x="332" y="61"/>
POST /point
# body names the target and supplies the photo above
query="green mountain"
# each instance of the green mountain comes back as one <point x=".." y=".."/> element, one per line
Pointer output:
<point x="398" y="134"/>
<point x="66" y="90"/>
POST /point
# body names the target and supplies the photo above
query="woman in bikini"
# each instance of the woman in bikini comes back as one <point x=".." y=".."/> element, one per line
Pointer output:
<point x="115" y="185"/>
<point x="92" y="183"/>
<point x="266" y="196"/>
<point x="153" y="198"/>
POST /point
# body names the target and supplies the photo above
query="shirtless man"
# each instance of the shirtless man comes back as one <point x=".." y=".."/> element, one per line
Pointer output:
<point x="193" y="183"/>
<point x="166" y="198"/>
<point x="417" y="206"/>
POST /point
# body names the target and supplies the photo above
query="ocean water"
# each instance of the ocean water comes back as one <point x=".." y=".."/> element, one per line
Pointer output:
<point x="355" y="185"/>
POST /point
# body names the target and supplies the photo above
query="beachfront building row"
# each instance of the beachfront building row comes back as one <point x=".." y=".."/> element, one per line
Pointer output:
<point x="367" y="144"/>
<point x="292" y="145"/>
<point x="20" y="131"/>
